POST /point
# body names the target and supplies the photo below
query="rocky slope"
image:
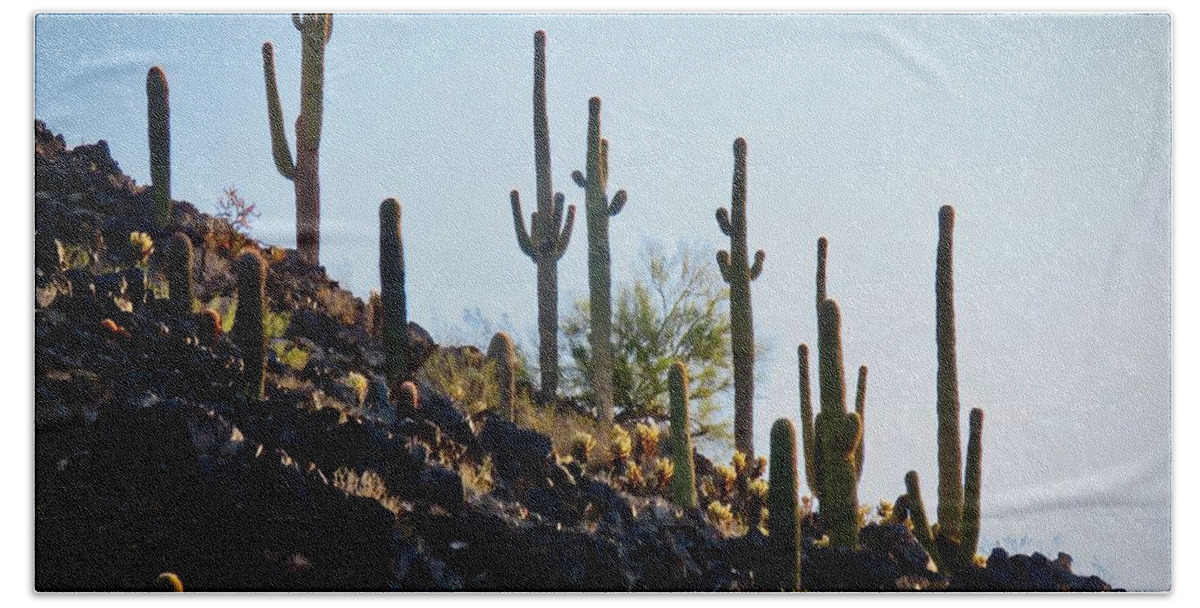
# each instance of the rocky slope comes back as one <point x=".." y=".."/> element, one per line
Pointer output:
<point x="147" y="460"/>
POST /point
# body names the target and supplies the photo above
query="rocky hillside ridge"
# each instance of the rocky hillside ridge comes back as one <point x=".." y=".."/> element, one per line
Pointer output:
<point x="148" y="460"/>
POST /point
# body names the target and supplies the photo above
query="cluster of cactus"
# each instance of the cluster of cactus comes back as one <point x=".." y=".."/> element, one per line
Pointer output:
<point x="637" y="466"/>
<point x="247" y="330"/>
<point x="394" y="303"/>
<point x="834" y="442"/>
<point x="683" y="487"/>
<point x="315" y="30"/>
<point x="737" y="271"/>
<point x="952" y="542"/>
<point x="784" y="541"/>
<point x="599" y="208"/>
<point x="158" y="106"/>
<point x="502" y="352"/>
<point x="178" y="269"/>
<point x="549" y="231"/>
<point x="738" y="485"/>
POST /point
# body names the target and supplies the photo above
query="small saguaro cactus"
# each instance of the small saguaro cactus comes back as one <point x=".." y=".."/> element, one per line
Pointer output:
<point x="683" y="483"/>
<point x="599" y="209"/>
<point x="502" y="351"/>
<point x="784" y="540"/>
<point x="549" y="232"/>
<point x="737" y="271"/>
<point x="391" y="283"/>
<point x="315" y="30"/>
<point x="952" y="544"/>
<point x="158" y="104"/>
<point x="247" y="329"/>
<point x="178" y="268"/>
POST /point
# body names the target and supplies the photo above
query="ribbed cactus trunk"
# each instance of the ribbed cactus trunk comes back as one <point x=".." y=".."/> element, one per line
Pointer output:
<point x="784" y="541"/>
<point x="950" y="489"/>
<point x="839" y="433"/>
<point x="953" y="544"/>
<point x="178" y="269"/>
<point x="158" y="104"/>
<point x="315" y="30"/>
<point x="247" y="330"/>
<point x="683" y="483"/>
<point x="738" y="272"/>
<point x="549" y="232"/>
<point x="393" y="296"/>
<point x="502" y="351"/>
<point x="599" y="210"/>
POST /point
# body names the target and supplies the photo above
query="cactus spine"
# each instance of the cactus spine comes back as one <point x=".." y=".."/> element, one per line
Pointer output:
<point x="178" y="269"/>
<point x="683" y="484"/>
<point x="599" y="209"/>
<point x="391" y="282"/>
<point x="784" y="541"/>
<point x="834" y="443"/>
<point x="952" y="544"/>
<point x="248" y="322"/>
<point x="315" y="30"/>
<point x="738" y="272"/>
<point x="158" y="104"/>
<point x="502" y="351"/>
<point x="546" y="240"/>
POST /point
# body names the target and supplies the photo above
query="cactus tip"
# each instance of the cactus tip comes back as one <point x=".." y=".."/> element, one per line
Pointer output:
<point x="946" y="216"/>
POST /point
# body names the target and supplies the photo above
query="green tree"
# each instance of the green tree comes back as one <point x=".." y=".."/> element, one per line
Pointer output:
<point x="676" y="311"/>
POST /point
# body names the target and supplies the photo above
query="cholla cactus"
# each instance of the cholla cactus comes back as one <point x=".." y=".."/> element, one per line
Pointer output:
<point x="158" y="103"/>
<point x="546" y="240"/>
<point x="620" y="444"/>
<point x="737" y="271"/>
<point x="168" y="581"/>
<point x="582" y="445"/>
<point x="664" y="472"/>
<point x="783" y="542"/>
<point x="315" y="30"/>
<point x="647" y="441"/>
<point x="953" y="541"/>
<point x="178" y="268"/>
<point x="248" y="322"/>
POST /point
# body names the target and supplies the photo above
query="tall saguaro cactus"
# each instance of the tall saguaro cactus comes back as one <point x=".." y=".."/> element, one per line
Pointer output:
<point x="391" y="283"/>
<point x="247" y="330"/>
<point x="683" y="483"/>
<point x="549" y="232"/>
<point x="784" y="541"/>
<point x="315" y="30"/>
<point x="738" y="272"/>
<point x="952" y="544"/>
<point x="158" y="105"/>
<point x="599" y="209"/>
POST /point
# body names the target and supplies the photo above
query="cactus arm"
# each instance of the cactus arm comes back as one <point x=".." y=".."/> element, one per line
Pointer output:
<point x="723" y="264"/>
<point x="579" y="179"/>
<point x="756" y="269"/>
<point x="723" y="221"/>
<point x="920" y="522"/>
<point x="860" y="407"/>
<point x="971" y="487"/>
<point x="556" y="217"/>
<point x="809" y="437"/>
<point x="950" y="489"/>
<point x="523" y="240"/>
<point x="280" y="148"/>
<point x="618" y="203"/>
<point x="784" y="541"/>
<point x="822" y="250"/>
<point x="564" y="237"/>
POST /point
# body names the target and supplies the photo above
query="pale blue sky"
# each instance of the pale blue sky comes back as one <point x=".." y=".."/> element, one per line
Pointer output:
<point x="1050" y="133"/>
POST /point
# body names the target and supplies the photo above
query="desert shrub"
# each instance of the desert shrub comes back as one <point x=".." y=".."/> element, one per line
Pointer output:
<point x="291" y="354"/>
<point x="466" y="376"/>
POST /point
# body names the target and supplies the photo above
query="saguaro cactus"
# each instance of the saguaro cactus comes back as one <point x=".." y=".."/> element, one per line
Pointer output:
<point x="952" y="546"/>
<point x="738" y="272"/>
<point x="503" y="352"/>
<point x="683" y="484"/>
<point x="178" y="268"/>
<point x="247" y="329"/>
<point x="315" y="30"/>
<point x="546" y="240"/>
<point x="599" y="209"/>
<point x="784" y="541"/>
<point x="391" y="282"/>
<point x="158" y="104"/>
